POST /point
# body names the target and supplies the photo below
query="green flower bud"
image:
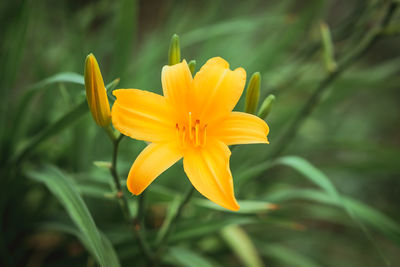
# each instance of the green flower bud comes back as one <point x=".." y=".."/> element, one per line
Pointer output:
<point x="253" y="93"/>
<point x="266" y="107"/>
<point x="328" y="48"/>
<point x="192" y="66"/>
<point x="174" y="55"/>
<point x="112" y="85"/>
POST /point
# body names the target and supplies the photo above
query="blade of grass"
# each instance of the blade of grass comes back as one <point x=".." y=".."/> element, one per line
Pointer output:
<point x="241" y="243"/>
<point x="69" y="229"/>
<point x="286" y="256"/>
<point x="64" y="190"/>
<point x="53" y="129"/>
<point x="185" y="257"/>
<point x="365" y="213"/>
<point x="320" y="179"/>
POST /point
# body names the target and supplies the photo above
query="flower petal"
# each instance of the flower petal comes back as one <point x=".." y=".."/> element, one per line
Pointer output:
<point x="241" y="128"/>
<point x="176" y="82"/>
<point x="217" y="89"/>
<point x="208" y="170"/>
<point x="143" y="115"/>
<point x="150" y="163"/>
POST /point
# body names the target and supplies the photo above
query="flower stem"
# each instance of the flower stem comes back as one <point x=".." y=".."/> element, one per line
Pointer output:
<point x="169" y="223"/>
<point x="139" y="225"/>
<point x="116" y="138"/>
<point x="374" y="35"/>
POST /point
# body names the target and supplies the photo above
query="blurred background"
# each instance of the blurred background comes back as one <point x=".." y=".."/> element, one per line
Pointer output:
<point x="325" y="192"/>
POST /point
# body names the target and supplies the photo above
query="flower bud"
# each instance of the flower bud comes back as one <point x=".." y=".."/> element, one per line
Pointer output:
<point x="96" y="93"/>
<point x="112" y="85"/>
<point x="192" y="66"/>
<point x="266" y="107"/>
<point x="328" y="48"/>
<point x="174" y="55"/>
<point x="253" y="93"/>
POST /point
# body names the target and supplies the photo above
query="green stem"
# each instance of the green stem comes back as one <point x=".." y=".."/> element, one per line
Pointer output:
<point x="113" y="170"/>
<point x="140" y="227"/>
<point x="169" y="223"/>
<point x="315" y="98"/>
<point x="116" y="139"/>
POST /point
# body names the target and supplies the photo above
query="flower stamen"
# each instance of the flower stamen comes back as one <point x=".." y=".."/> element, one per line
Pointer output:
<point x="190" y="126"/>
<point x="197" y="132"/>
<point x="189" y="134"/>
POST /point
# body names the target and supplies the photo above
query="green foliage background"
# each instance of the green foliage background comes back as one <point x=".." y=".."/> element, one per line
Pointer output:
<point x="335" y="188"/>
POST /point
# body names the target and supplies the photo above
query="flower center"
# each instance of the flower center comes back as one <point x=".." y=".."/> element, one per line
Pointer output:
<point x="192" y="133"/>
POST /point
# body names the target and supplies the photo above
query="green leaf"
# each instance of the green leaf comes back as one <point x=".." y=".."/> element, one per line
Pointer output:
<point x="249" y="173"/>
<point x="14" y="40"/>
<point x="162" y="193"/>
<point x="125" y="33"/>
<point x="219" y="29"/>
<point x="72" y="230"/>
<point x="286" y="256"/>
<point x="53" y="129"/>
<point x="65" y="191"/>
<point x="179" y="256"/>
<point x="202" y="228"/>
<point x="63" y="77"/>
<point x="246" y="206"/>
<point x="310" y="172"/>
<point x="365" y="213"/>
<point x="317" y="177"/>
<point x="242" y="245"/>
<point x="20" y="113"/>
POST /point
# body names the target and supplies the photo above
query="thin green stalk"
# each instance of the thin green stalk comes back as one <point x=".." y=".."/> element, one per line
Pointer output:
<point x="140" y="221"/>
<point x="169" y="223"/>
<point x="373" y="36"/>
<point x="116" y="139"/>
<point x="140" y="227"/>
<point x="113" y="170"/>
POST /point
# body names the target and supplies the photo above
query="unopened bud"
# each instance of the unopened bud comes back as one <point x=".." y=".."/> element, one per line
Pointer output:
<point x="103" y="164"/>
<point x="112" y="85"/>
<point x="96" y="93"/>
<point x="174" y="55"/>
<point x="328" y="48"/>
<point x="266" y="107"/>
<point x="192" y="66"/>
<point x="253" y="93"/>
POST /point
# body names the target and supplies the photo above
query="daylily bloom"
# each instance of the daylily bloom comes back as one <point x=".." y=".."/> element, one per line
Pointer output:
<point x="96" y="93"/>
<point x="193" y="120"/>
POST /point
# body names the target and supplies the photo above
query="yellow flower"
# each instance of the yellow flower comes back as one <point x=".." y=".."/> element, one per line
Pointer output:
<point x="96" y="93"/>
<point x="193" y="120"/>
